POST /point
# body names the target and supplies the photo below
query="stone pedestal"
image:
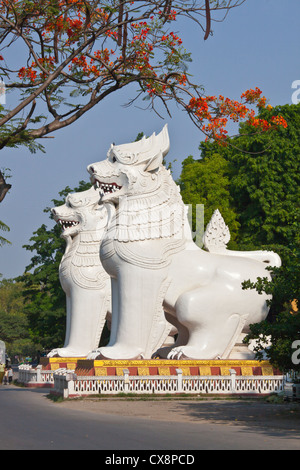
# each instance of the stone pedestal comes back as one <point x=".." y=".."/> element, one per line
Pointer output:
<point x="85" y="367"/>
<point x="54" y="363"/>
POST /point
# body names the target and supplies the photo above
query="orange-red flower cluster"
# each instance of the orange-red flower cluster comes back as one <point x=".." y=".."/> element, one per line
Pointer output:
<point x="48" y="63"/>
<point x="74" y="28"/>
<point x="28" y="73"/>
<point x="213" y="113"/>
<point x="254" y="97"/>
<point x="171" y="16"/>
<point x="279" y="121"/>
<point x="138" y="42"/>
<point x="93" y="66"/>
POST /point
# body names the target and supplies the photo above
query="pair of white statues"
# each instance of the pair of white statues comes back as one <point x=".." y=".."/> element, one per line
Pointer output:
<point x="130" y="258"/>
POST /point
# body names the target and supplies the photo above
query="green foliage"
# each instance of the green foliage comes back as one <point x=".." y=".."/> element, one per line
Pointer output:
<point x="285" y="284"/>
<point x="254" y="182"/>
<point x="206" y="182"/>
<point x="260" y="175"/>
<point x="265" y="181"/>
<point x="13" y="135"/>
<point x="283" y="326"/>
<point x="14" y="328"/>
<point x="266" y="188"/>
<point x="4" y="228"/>
<point x="282" y="333"/>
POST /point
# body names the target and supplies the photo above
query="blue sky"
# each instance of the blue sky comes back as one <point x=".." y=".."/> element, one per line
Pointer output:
<point x="257" y="45"/>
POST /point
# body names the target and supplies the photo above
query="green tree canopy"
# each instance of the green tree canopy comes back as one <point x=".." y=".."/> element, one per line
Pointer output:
<point x="254" y="182"/>
<point x="206" y="181"/>
<point x="265" y="181"/>
<point x="14" y="326"/>
<point x="284" y="327"/>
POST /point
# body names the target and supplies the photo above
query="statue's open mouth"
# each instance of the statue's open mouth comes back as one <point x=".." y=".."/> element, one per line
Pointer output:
<point x="67" y="223"/>
<point x="107" y="188"/>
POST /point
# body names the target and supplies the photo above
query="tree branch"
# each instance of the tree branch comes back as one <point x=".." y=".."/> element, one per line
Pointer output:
<point x="56" y="124"/>
<point x="50" y="78"/>
<point x="21" y="128"/>
<point x="4" y="187"/>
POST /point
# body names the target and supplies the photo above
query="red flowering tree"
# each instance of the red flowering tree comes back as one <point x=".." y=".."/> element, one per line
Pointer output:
<point x="74" y="53"/>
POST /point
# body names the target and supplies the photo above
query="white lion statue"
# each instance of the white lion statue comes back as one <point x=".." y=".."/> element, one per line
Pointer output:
<point x="155" y="266"/>
<point x="83" y="279"/>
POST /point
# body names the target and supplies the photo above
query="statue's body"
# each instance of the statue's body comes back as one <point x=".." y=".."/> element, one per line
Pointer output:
<point x="83" y="279"/>
<point x="154" y="264"/>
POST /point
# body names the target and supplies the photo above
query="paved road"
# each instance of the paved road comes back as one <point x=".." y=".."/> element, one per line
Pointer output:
<point x="29" y="420"/>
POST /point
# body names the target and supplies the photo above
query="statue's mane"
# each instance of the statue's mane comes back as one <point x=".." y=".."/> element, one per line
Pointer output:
<point x="150" y="215"/>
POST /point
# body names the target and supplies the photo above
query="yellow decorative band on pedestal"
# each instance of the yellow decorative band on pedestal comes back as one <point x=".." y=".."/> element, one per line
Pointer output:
<point x="143" y="371"/>
<point x="267" y="370"/>
<point x="204" y="370"/>
<point x="163" y="367"/>
<point x="225" y="370"/>
<point x="54" y="363"/>
<point x="100" y="371"/>
<point x="185" y="370"/>
<point x="247" y="370"/>
<point x="57" y="360"/>
<point x="163" y="371"/>
<point x="181" y="363"/>
<point x="188" y="367"/>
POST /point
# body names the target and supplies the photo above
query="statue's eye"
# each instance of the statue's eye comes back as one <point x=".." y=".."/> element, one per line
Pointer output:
<point x="68" y="202"/>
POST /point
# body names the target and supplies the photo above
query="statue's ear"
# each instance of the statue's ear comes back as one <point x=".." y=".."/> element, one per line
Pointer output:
<point x="155" y="162"/>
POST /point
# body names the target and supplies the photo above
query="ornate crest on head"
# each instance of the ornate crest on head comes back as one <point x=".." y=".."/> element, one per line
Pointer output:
<point x="149" y="151"/>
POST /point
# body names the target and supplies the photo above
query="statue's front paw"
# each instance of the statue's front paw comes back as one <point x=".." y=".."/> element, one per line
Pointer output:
<point x="94" y="354"/>
<point x="175" y="353"/>
<point x="178" y="354"/>
<point x="53" y="353"/>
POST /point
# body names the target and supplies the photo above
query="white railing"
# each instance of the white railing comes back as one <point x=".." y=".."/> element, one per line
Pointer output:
<point x="259" y="384"/>
<point x="34" y="376"/>
<point x="67" y="384"/>
<point x="63" y="382"/>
